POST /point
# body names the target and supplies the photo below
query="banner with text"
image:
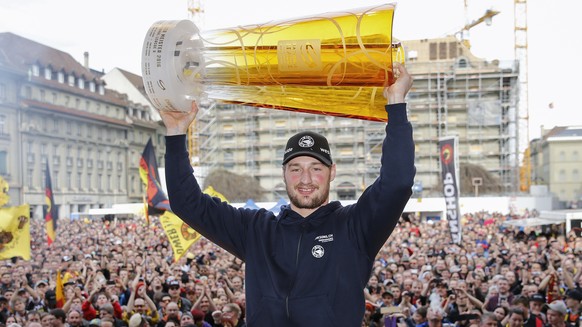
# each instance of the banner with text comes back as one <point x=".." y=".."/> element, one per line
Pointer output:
<point x="449" y="167"/>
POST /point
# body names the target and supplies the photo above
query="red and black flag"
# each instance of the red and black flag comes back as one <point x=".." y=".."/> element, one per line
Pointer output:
<point x="156" y="199"/>
<point x="50" y="209"/>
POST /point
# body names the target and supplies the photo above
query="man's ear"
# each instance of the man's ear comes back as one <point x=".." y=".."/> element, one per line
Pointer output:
<point x="332" y="174"/>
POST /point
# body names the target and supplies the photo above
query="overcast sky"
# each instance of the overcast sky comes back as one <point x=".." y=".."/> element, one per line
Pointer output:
<point x="112" y="31"/>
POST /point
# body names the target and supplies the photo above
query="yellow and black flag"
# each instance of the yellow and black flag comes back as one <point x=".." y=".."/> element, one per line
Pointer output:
<point x="180" y="235"/>
<point x="15" y="232"/>
<point x="50" y="209"/>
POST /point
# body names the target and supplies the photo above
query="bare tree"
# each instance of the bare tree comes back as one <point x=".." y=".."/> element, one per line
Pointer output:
<point x="234" y="187"/>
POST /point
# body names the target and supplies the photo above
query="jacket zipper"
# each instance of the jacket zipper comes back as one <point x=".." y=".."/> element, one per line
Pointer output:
<point x="296" y="266"/>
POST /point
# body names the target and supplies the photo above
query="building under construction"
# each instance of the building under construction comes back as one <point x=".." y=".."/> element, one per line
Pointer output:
<point x="454" y="93"/>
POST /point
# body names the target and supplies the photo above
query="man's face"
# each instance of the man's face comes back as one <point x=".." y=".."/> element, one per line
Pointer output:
<point x="47" y="321"/>
<point x="307" y="181"/>
<point x="503" y="286"/>
<point x="6" y="278"/>
<point x="515" y="320"/>
<point x="172" y="310"/>
<point x="140" y="306"/>
<point x="490" y="322"/>
<point x="554" y="317"/>
<point x="74" y="318"/>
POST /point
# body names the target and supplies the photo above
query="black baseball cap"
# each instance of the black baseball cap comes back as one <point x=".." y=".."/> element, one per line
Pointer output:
<point x="308" y="144"/>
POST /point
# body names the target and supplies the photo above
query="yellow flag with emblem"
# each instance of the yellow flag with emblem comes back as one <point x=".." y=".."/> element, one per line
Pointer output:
<point x="15" y="232"/>
<point x="213" y="193"/>
<point x="180" y="235"/>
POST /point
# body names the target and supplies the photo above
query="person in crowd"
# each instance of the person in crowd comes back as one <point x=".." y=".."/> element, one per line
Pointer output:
<point x="574" y="315"/>
<point x="175" y="291"/>
<point x="231" y="316"/>
<point x="75" y="318"/>
<point x="516" y="318"/>
<point x="556" y="313"/>
<point x="488" y="319"/>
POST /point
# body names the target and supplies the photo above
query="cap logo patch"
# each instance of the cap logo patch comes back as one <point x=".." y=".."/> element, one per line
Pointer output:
<point x="306" y="141"/>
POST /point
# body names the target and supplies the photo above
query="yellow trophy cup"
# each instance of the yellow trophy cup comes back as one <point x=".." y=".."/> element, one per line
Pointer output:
<point x="331" y="64"/>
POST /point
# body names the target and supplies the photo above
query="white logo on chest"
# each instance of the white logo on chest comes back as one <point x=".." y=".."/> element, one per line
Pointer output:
<point x="317" y="251"/>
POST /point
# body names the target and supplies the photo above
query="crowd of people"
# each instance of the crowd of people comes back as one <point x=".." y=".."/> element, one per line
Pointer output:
<point x="123" y="273"/>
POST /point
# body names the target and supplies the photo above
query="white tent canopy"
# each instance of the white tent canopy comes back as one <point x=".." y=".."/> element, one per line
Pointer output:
<point x="530" y="222"/>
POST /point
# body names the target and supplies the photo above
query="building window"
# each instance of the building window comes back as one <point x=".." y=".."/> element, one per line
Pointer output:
<point x="3" y="125"/>
<point x="55" y="125"/>
<point x="452" y="49"/>
<point x="575" y="175"/>
<point x="48" y="73"/>
<point x="3" y="163"/>
<point x="443" y="50"/>
<point x="79" y="181"/>
<point x="101" y="89"/>
<point x="432" y="51"/>
<point x="69" y="180"/>
<point x="562" y="175"/>
<point x="35" y="70"/>
<point x="575" y="156"/>
<point x="29" y="179"/>
<point x="92" y="86"/>
<point x="71" y="80"/>
<point x="61" y="77"/>
<point x="81" y="83"/>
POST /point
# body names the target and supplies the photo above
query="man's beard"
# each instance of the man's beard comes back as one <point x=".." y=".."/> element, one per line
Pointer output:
<point x="301" y="203"/>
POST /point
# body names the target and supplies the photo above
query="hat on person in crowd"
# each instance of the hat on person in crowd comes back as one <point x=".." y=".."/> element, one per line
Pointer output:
<point x="558" y="306"/>
<point x="537" y="297"/>
<point x="107" y="307"/>
<point x="187" y="314"/>
<point x="135" y="320"/>
<point x="574" y="294"/>
<point x="3" y="299"/>
<point x="95" y="322"/>
<point x="70" y="282"/>
<point x="197" y="315"/>
<point x="308" y="144"/>
<point x="41" y="282"/>
<point x="174" y="282"/>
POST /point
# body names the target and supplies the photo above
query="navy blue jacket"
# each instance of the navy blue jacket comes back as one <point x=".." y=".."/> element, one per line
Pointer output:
<point x="308" y="271"/>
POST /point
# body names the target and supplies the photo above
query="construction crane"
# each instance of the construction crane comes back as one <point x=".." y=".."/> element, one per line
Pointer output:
<point x="487" y="18"/>
<point x="520" y="52"/>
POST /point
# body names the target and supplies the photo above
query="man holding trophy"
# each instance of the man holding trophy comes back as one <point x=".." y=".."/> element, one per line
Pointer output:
<point x="309" y="264"/>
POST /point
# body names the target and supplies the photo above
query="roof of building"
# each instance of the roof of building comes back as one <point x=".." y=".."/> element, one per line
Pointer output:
<point x="20" y="53"/>
<point x="135" y="80"/>
<point x="564" y="132"/>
